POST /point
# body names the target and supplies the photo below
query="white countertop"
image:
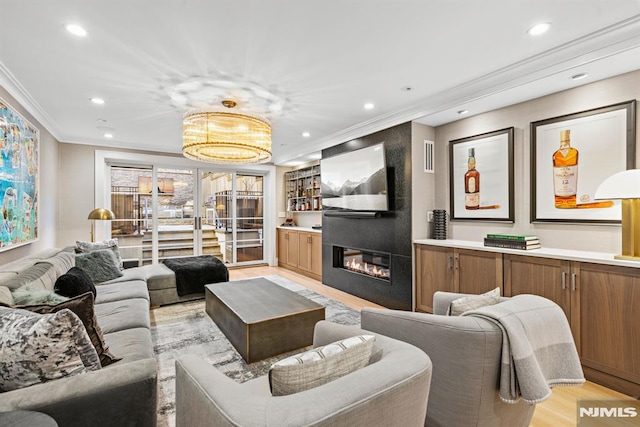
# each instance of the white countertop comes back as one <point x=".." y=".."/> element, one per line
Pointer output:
<point x="296" y="228"/>
<point x="571" y="255"/>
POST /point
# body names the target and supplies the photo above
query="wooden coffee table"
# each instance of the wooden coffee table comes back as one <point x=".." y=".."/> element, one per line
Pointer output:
<point x="260" y="318"/>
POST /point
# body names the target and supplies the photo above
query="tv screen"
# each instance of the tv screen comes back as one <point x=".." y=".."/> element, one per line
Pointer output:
<point x="355" y="181"/>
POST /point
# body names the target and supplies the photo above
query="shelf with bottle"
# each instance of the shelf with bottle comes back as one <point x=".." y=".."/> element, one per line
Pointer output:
<point x="302" y="189"/>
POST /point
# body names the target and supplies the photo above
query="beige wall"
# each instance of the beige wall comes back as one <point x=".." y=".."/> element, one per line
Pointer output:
<point x="602" y="238"/>
<point x="422" y="184"/>
<point x="48" y="193"/>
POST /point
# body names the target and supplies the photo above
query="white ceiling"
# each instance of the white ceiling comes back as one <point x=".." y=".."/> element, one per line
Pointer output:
<point x="321" y="60"/>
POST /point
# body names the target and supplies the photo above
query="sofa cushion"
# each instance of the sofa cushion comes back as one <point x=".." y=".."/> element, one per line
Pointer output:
<point x="6" y="298"/>
<point x="159" y="276"/>
<point x="121" y="290"/>
<point x="472" y="302"/>
<point x="320" y="365"/>
<point x="81" y="306"/>
<point x="37" y="276"/>
<point x="73" y="283"/>
<point x="110" y="244"/>
<point x="25" y="296"/>
<point x="101" y="265"/>
<point x="36" y="348"/>
<point x="126" y="314"/>
<point x="131" y="344"/>
<point x="62" y="262"/>
<point x="128" y="274"/>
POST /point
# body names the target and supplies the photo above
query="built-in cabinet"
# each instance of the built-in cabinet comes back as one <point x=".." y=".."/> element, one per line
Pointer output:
<point x="599" y="300"/>
<point x="300" y="251"/>
<point x="302" y="188"/>
<point x="454" y="270"/>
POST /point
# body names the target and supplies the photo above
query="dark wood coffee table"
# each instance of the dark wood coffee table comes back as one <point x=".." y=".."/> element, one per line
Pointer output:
<point x="260" y="318"/>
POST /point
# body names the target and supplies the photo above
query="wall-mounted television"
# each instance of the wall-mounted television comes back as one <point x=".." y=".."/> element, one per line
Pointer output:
<point x="355" y="181"/>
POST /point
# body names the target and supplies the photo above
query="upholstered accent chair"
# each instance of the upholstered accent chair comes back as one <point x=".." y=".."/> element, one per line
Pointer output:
<point x="466" y="355"/>
<point x="391" y="391"/>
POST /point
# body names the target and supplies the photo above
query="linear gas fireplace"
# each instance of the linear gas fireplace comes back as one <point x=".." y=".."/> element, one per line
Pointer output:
<point x="369" y="263"/>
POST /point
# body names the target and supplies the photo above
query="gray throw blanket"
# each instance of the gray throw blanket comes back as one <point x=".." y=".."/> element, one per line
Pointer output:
<point x="538" y="351"/>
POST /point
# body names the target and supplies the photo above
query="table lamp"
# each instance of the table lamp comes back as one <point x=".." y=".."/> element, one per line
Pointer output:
<point x="625" y="186"/>
<point x="100" y="214"/>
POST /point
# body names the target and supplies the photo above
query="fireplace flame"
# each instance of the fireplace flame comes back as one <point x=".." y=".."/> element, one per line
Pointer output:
<point x="374" y="270"/>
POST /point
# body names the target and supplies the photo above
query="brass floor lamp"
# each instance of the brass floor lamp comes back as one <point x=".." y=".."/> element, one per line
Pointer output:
<point x="99" y="214"/>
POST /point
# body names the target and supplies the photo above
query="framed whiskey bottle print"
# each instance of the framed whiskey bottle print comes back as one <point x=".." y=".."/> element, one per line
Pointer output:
<point x="570" y="157"/>
<point x="481" y="177"/>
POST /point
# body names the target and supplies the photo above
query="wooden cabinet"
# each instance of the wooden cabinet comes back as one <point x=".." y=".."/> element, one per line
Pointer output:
<point x="454" y="270"/>
<point x="601" y="303"/>
<point x="300" y="251"/>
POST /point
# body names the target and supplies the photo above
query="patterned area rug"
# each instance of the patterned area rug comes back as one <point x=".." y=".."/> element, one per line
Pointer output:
<point x="187" y="329"/>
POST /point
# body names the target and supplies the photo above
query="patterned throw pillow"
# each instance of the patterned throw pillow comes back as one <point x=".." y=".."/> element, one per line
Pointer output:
<point x="36" y="348"/>
<point x="320" y="365"/>
<point x="100" y="265"/>
<point x="81" y="306"/>
<point x="111" y="244"/>
<point x="73" y="283"/>
<point x="472" y="302"/>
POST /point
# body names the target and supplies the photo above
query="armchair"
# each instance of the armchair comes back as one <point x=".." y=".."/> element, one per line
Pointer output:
<point x="391" y="391"/>
<point x="466" y="355"/>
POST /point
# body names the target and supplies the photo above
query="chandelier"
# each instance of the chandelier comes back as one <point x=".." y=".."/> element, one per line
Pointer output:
<point x="225" y="137"/>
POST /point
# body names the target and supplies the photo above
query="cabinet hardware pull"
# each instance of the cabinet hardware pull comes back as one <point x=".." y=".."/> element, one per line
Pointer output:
<point x="564" y="280"/>
<point x="449" y="261"/>
<point x="455" y="262"/>
<point x="573" y="281"/>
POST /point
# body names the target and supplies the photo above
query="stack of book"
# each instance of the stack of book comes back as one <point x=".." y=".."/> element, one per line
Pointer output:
<point x="513" y="241"/>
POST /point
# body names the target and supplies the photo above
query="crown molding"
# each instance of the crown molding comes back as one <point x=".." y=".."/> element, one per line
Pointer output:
<point x="26" y="101"/>
<point x="600" y="45"/>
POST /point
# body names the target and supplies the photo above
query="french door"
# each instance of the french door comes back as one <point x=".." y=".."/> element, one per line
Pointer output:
<point x="167" y="213"/>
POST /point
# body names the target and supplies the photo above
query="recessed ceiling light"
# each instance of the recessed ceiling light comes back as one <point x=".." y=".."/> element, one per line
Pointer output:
<point x="579" y="76"/>
<point x="76" y="30"/>
<point x="406" y="88"/>
<point x="462" y="112"/>
<point x="368" y="106"/>
<point x="102" y="120"/>
<point x="306" y="134"/>
<point x="98" y="101"/>
<point x="108" y="135"/>
<point x="538" y="29"/>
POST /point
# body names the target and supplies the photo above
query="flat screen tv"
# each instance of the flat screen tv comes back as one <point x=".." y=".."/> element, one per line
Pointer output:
<point x="355" y="181"/>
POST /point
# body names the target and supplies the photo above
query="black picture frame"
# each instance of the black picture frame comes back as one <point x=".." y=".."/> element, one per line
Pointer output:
<point x="493" y="153"/>
<point x="605" y="139"/>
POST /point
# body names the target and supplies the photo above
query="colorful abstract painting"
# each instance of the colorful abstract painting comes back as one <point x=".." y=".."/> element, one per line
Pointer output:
<point x="19" y="168"/>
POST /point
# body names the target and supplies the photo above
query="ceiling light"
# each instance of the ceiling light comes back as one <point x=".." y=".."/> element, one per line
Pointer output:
<point x="224" y="137"/>
<point x="102" y="120"/>
<point x="406" y="88"/>
<point x="462" y="112"/>
<point x="108" y="135"/>
<point x="368" y="106"/>
<point x="538" y="29"/>
<point x="76" y="30"/>
<point x="306" y="134"/>
<point x="98" y="101"/>
<point x="579" y="76"/>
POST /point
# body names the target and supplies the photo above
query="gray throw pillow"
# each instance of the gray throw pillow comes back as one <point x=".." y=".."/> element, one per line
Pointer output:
<point x="38" y="348"/>
<point x="111" y="244"/>
<point x="320" y="365"/>
<point x="472" y="302"/>
<point x="100" y="265"/>
<point x="24" y="296"/>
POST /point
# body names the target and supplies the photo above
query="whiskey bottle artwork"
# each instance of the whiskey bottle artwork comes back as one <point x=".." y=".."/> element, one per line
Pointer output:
<point x="472" y="184"/>
<point x="565" y="173"/>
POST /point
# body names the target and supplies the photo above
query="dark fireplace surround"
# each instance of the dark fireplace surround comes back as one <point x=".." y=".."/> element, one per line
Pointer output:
<point x="383" y="240"/>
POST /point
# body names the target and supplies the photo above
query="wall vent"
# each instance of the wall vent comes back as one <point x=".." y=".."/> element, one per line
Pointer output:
<point x="429" y="166"/>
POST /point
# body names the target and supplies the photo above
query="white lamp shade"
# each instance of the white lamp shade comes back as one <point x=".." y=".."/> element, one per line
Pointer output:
<point x="622" y="185"/>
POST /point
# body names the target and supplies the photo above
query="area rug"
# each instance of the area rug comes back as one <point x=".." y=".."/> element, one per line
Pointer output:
<point x="187" y="329"/>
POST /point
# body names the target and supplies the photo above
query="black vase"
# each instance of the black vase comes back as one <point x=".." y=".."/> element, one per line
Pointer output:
<point x="439" y="224"/>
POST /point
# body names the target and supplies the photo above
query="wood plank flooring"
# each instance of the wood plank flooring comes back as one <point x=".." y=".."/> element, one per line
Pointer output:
<point x="560" y="410"/>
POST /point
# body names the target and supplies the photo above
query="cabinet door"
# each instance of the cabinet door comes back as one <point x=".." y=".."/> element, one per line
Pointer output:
<point x="477" y="272"/>
<point x="316" y="253"/>
<point x="304" y="251"/>
<point x="292" y="248"/>
<point x="282" y="247"/>
<point x="606" y="304"/>
<point x="546" y="277"/>
<point x="434" y="272"/>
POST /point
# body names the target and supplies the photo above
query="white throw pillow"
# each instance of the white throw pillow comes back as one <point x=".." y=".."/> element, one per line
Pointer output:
<point x="472" y="302"/>
<point x="321" y="365"/>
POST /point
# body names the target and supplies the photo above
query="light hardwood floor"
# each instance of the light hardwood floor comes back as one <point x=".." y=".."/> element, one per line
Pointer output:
<point x="560" y="410"/>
